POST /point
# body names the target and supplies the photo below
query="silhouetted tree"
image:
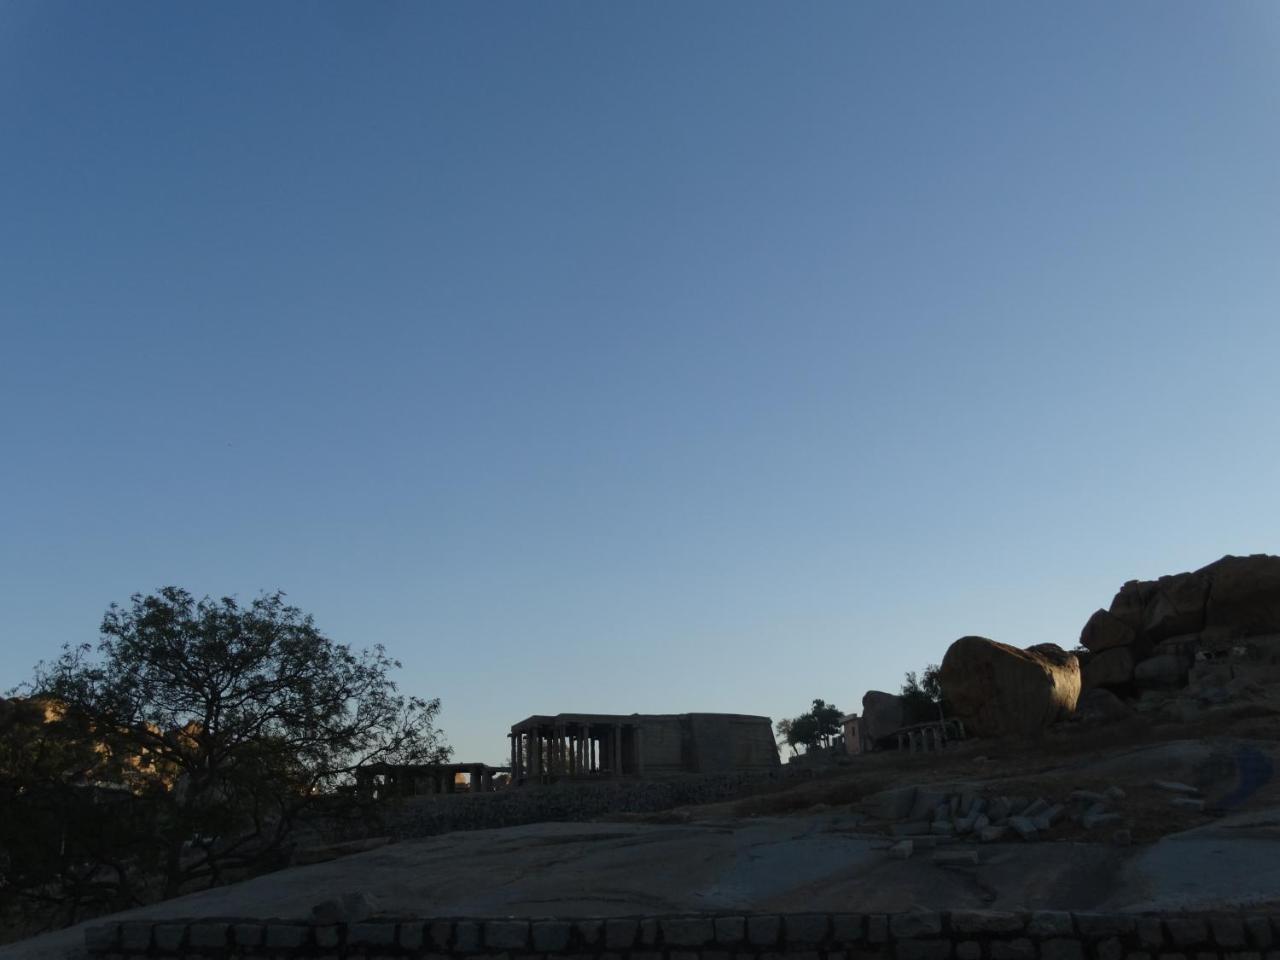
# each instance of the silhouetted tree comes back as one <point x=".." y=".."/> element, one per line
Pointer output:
<point x="234" y="719"/>
<point x="922" y="696"/>
<point x="813" y="729"/>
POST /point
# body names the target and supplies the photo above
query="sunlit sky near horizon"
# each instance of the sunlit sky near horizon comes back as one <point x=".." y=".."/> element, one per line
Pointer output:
<point x="634" y="358"/>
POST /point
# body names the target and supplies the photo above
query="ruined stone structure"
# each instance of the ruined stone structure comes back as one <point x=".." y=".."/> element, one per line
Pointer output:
<point x="600" y="745"/>
<point x="382" y="780"/>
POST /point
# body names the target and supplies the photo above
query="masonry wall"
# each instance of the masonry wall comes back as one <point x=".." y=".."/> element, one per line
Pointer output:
<point x="958" y="935"/>
<point x="410" y="817"/>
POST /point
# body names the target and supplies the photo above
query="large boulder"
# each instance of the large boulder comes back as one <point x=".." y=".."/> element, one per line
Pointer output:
<point x="882" y="714"/>
<point x="1230" y="598"/>
<point x="999" y="690"/>
<point x="1243" y="595"/>
<point x="1104" y="631"/>
<point x="1110" y="668"/>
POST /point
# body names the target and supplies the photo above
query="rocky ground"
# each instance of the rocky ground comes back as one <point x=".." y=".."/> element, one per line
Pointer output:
<point x="1127" y="817"/>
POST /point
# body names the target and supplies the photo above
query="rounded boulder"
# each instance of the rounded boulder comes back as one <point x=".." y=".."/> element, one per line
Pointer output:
<point x="999" y="690"/>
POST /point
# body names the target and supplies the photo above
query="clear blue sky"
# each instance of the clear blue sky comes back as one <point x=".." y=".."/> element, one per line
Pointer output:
<point x="635" y="357"/>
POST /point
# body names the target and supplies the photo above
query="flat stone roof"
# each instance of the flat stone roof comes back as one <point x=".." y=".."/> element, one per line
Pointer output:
<point x="541" y="720"/>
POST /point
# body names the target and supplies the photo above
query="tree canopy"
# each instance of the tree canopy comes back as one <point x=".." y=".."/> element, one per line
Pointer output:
<point x="815" y="728"/>
<point x="230" y="720"/>
<point x="922" y="696"/>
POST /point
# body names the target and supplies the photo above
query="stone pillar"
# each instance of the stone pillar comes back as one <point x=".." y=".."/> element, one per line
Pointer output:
<point x="615" y="762"/>
<point x="638" y="739"/>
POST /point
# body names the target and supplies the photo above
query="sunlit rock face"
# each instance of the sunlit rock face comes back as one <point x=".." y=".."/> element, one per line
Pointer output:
<point x="999" y="690"/>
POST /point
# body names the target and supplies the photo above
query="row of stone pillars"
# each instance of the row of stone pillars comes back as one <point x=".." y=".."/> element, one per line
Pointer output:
<point x="557" y="751"/>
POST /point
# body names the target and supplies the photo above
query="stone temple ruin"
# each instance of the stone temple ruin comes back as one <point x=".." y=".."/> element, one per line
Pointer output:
<point x="589" y="746"/>
<point x="378" y="781"/>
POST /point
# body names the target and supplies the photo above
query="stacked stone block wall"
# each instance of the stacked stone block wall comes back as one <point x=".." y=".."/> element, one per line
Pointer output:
<point x="957" y="935"/>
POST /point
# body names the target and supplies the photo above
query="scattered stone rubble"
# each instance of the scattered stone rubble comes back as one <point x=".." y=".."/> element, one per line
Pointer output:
<point x="921" y="816"/>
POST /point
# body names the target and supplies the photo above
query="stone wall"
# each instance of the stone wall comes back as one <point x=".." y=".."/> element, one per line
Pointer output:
<point x="430" y="815"/>
<point x="958" y="935"/>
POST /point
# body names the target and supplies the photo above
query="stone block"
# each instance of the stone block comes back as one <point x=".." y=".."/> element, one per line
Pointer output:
<point x="916" y="924"/>
<point x="992" y="833"/>
<point x="328" y="936"/>
<point x="763" y="931"/>
<point x="1110" y="949"/>
<point x="620" y="934"/>
<point x="806" y="929"/>
<point x="207" y="935"/>
<point x="169" y="936"/>
<point x="1048" y="817"/>
<point x="1241" y="955"/>
<point x="1019" y="949"/>
<point x="466" y="935"/>
<point x="439" y="933"/>
<point x="685" y="955"/>
<point x="923" y="950"/>
<point x="590" y="932"/>
<point x="1150" y="933"/>
<point x="291" y="936"/>
<point x="248" y="934"/>
<point x="552" y="936"/>
<point x="1137" y="955"/>
<point x="731" y="929"/>
<point x="1227" y="931"/>
<point x="1024" y="828"/>
<point x="878" y="928"/>
<point x="1061" y="949"/>
<point x="1173" y="956"/>
<point x="688" y="931"/>
<point x="837" y="955"/>
<point x="1050" y="923"/>
<point x="1187" y="931"/>
<point x="986" y="921"/>
<point x="649" y="932"/>
<point x="102" y="938"/>
<point x="412" y="936"/>
<point x="1259" y="931"/>
<point x="135" y="936"/>
<point x="1105" y="924"/>
<point x="848" y="927"/>
<point x="968" y="950"/>
<point x="506" y="934"/>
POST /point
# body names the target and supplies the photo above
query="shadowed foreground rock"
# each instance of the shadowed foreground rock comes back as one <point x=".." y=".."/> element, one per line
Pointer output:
<point x="999" y="690"/>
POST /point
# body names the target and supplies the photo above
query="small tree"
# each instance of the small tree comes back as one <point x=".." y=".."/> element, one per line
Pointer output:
<point x="813" y="729"/>
<point x="826" y="718"/>
<point x="785" y="730"/>
<point x="233" y="720"/>
<point x="922" y="697"/>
